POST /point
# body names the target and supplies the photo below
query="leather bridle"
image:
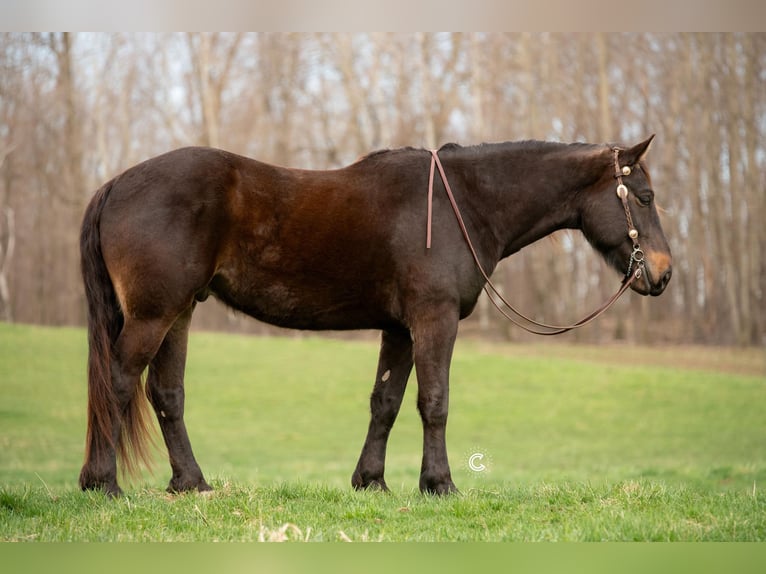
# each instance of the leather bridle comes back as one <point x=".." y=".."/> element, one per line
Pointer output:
<point x="636" y="257"/>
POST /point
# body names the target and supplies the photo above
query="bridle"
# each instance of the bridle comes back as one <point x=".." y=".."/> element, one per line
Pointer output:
<point x="636" y="257"/>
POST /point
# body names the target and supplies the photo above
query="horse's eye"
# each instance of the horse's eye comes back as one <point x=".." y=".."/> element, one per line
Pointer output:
<point x="644" y="200"/>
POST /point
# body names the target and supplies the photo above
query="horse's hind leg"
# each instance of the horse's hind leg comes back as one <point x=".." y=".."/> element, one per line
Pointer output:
<point x="394" y="367"/>
<point x="165" y="389"/>
<point x="136" y="345"/>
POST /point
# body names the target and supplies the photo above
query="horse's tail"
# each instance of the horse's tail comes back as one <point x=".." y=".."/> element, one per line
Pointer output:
<point x="105" y="321"/>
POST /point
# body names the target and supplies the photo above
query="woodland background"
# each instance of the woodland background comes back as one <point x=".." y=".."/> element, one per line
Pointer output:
<point x="77" y="109"/>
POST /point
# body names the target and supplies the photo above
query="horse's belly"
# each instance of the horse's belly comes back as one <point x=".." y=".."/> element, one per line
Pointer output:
<point x="306" y="302"/>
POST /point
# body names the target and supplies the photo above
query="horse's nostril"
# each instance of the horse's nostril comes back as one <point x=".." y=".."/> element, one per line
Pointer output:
<point x="666" y="278"/>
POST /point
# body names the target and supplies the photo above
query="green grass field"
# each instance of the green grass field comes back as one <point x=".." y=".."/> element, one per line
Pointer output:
<point x="578" y="443"/>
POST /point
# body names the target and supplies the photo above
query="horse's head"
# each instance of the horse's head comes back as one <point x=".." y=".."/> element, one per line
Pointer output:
<point x="606" y="218"/>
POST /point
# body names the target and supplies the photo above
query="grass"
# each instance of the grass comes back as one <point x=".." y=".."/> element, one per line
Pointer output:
<point x="577" y="445"/>
<point x="642" y="510"/>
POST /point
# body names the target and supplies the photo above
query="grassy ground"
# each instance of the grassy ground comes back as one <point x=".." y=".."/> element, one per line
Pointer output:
<point x="576" y="444"/>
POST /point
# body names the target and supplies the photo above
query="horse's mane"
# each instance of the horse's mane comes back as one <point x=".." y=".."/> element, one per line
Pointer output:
<point x="483" y="149"/>
<point x="522" y="145"/>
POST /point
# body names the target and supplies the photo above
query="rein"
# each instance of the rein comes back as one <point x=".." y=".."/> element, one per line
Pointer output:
<point x="516" y="317"/>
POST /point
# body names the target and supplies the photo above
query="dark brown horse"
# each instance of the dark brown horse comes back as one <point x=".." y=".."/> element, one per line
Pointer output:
<point x="341" y="249"/>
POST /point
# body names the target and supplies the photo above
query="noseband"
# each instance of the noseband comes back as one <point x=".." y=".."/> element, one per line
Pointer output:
<point x="510" y="313"/>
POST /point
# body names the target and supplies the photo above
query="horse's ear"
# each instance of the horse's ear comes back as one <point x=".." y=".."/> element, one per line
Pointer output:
<point x="635" y="154"/>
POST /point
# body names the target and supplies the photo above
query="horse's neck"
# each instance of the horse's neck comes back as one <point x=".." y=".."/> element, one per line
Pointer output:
<point x="528" y="196"/>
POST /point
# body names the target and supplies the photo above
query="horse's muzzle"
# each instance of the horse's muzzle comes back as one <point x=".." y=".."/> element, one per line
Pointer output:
<point x="657" y="272"/>
<point x="662" y="283"/>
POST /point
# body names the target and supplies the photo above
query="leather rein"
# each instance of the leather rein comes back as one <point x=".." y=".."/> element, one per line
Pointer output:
<point x="510" y="313"/>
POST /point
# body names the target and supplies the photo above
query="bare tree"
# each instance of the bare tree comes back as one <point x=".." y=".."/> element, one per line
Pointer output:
<point x="212" y="58"/>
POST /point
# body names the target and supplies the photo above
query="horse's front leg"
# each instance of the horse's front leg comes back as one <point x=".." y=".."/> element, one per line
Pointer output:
<point x="433" y="336"/>
<point x="394" y="367"/>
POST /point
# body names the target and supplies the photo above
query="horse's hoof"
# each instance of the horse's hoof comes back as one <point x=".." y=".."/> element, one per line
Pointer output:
<point x="178" y="486"/>
<point x="438" y="487"/>
<point x="110" y="489"/>
<point x="370" y="484"/>
<point x="90" y="480"/>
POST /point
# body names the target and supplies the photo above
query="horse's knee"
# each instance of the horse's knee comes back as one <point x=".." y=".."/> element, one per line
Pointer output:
<point x="385" y="406"/>
<point x="433" y="409"/>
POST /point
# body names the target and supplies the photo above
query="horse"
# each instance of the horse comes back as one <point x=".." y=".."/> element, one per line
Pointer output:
<point x="338" y="249"/>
